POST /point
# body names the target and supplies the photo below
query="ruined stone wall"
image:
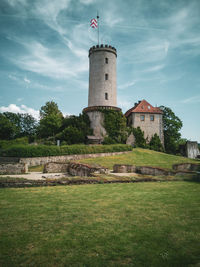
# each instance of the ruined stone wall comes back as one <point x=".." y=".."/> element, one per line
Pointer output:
<point x="13" y="168"/>
<point x="192" y="150"/>
<point x="147" y="126"/>
<point x="42" y="160"/>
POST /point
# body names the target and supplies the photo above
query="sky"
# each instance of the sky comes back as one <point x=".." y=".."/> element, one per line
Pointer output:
<point x="44" y="54"/>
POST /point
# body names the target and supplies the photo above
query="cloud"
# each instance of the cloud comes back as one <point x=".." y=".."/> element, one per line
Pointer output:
<point x="154" y="68"/>
<point x="42" y="60"/>
<point x="20" y="109"/>
<point x="126" y="85"/>
<point x="192" y="99"/>
<point x="27" y="80"/>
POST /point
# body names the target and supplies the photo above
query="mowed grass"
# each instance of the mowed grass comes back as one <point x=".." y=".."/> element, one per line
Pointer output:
<point x="143" y="224"/>
<point x="139" y="157"/>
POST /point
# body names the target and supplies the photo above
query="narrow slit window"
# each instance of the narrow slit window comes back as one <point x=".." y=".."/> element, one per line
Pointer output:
<point x="106" y="60"/>
<point x="106" y="76"/>
<point x="106" y="96"/>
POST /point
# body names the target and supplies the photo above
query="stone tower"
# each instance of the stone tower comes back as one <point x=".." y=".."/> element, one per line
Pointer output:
<point x="102" y="76"/>
<point x="102" y="85"/>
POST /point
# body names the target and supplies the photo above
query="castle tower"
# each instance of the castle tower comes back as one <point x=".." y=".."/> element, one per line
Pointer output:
<point x="102" y="76"/>
<point x="102" y="86"/>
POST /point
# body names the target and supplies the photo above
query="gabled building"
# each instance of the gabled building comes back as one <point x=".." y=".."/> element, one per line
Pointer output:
<point x="148" y="118"/>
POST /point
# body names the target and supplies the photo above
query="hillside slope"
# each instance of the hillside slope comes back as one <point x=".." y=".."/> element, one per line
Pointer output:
<point x="140" y="157"/>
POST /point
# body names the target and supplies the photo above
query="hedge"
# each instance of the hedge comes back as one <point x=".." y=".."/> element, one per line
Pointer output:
<point x="44" y="150"/>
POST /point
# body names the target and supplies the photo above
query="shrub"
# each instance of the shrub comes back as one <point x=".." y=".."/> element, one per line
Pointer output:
<point x="43" y="150"/>
<point x="155" y="143"/>
<point x="139" y="137"/>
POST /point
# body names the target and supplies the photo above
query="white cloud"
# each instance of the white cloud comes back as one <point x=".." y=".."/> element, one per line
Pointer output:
<point x="20" y="109"/>
<point x="27" y="80"/>
<point x="87" y="2"/>
<point x="126" y="85"/>
<point x="192" y="99"/>
<point x="154" y="68"/>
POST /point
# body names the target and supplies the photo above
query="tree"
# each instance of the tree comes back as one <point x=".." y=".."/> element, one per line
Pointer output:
<point x="171" y="126"/>
<point x="75" y="129"/>
<point x="7" y="129"/>
<point x="139" y="137"/>
<point x="115" y="126"/>
<point x="50" y="120"/>
<point x="155" y="143"/>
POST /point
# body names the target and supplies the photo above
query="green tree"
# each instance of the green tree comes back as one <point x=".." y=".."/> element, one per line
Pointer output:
<point x="75" y="129"/>
<point x="139" y="137"/>
<point x="28" y="125"/>
<point x="115" y="125"/>
<point x="50" y="120"/>
<point x="171" y="125"/>
<point x="7" y="128"/>
<point x="155" y="143"/>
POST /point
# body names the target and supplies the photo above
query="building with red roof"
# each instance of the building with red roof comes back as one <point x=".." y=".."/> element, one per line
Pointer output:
<point x="148" y="118"/>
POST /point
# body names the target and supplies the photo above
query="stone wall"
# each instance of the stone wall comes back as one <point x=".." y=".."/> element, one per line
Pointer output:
<point x="122" y="168"/>
<point x="96" y="123"/>
<point x="186" y="167"/>
<point x="35" y="161"/>
<point x="73" y="168"/>
<point x="52" y="167"/>
<point x="192" y="150"/>
<point x="13" y="168"/>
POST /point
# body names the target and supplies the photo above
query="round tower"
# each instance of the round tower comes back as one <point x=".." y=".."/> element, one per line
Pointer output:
<point x="102" y="76"/>
<point x="102" y="87"/>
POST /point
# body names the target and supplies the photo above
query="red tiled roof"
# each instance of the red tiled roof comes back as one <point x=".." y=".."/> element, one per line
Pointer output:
<point x="143" y="107"/>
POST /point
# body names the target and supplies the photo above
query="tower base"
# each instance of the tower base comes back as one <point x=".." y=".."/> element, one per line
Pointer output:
<point x="97" y="119"/>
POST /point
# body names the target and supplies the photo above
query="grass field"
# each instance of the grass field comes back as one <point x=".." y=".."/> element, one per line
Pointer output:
<point x="143" y="224"/>
<point x="140" y="157"/>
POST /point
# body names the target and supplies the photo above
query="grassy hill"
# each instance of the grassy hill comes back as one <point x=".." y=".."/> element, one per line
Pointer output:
<point x="140" y="157"/>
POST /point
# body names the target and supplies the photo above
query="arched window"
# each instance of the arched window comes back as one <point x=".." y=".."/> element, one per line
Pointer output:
<point x="106" y="96"/>
<point x="106" y="60"/>
<point x="106" y="76"/>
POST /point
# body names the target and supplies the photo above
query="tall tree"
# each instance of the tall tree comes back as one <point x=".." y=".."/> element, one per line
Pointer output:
<point x="171" y="125"/>
<point x="7" y="128"/>
<point x="50" y="120"/>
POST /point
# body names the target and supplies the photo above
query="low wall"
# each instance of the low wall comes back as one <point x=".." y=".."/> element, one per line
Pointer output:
<point x="122" y="168"/>
<point x="52" y="167"/>
<point x="13" y="168"/>
<point x="74" y="169"/>
<point x="42" y="160"/>
<point x="186" y="167"/>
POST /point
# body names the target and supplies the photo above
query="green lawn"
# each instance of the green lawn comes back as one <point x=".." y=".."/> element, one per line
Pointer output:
<point x="143" y="224"/>
<point x="140" y="157"/>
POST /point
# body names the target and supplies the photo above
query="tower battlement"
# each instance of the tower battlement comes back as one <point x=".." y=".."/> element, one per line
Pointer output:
<point x="103" y="47"/>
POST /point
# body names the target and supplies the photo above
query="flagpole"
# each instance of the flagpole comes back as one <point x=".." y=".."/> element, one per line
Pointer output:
<point x="98" y="25"/>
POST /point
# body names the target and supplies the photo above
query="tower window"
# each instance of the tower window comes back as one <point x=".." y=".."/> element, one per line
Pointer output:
<point x="151" y="117"/>
<point x="106" y="76"/>
<point x="142" y="117"/>
<point x="106" y="96"/>
<point x="106" y="60"/>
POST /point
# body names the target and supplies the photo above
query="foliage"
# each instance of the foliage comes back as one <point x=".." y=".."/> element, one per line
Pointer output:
<point x="50" y="120"/>
<point x="155" y="143"/>
<point x="171" y="125"/>
<point x="75" y="129"/>
<point x="139" y="137"/>
<point x="15" y="125"/>
<point x="115" y="126"/>
<point x="7" y="129"/>
<point x="18" y="141"/>
<point x="43" y="150"/>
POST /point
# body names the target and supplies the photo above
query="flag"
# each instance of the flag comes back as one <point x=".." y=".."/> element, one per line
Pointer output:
<point x="93" y="23"/>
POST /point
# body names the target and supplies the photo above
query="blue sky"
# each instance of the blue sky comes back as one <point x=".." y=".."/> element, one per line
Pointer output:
<point x="44" y="54"/>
